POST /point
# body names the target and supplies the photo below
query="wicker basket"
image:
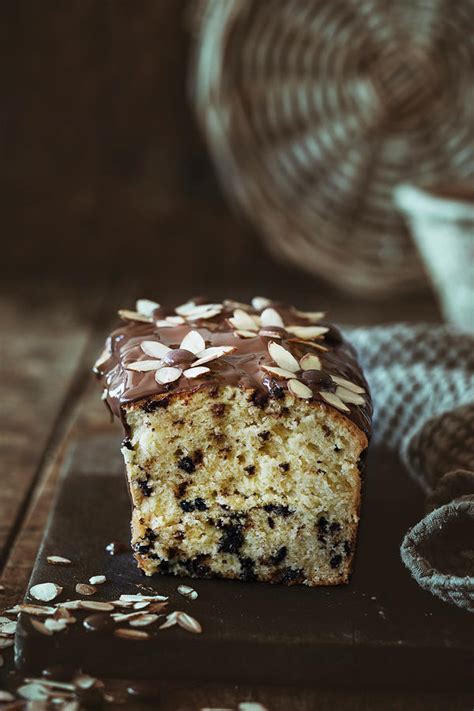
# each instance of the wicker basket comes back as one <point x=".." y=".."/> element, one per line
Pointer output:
<point x="314" y="110"/>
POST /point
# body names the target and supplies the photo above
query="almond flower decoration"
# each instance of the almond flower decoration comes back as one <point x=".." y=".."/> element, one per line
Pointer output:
<point x="270" y="323"/>
<point x="307" y="371"/>
<point x="171" y="363"/>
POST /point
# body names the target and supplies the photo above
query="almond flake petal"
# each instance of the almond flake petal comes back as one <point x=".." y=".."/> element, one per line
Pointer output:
<point x="33" y="692"/>
<point x="260" y="302"/>
<point x="6" y="696"/>
<point x="141" y="598"/>
<point x="335" y="401"/>
<point x="243" y="321"/>
<point x="128" y="315"/>
<point x="307" y="332"/>
<point x="310" y="362"/>
<point x="144" y="366"/>
<point x="96" y="605"/>
<point x="186" y="308"/>
<point x="45" y="591"/>
<point x="6" y="642"/>
<point x="269" y="333"/>
<point x="349" y="396"/>
<point x="194" y="342"/>
<point x="212" y="353"/>
<point x="348" y="385"/>
<point x="164" y="323"/>
<point x="310" y="344"/>
<point x="281" y="372"/>
<point x="175" y="320"/>
<point x="103" y="358"/>
<point x="126" y="633"/>
<point x="271" y="317"/>
<point x="196" y="372"/>
<point x="312" y="316"/>
<point x="205" y="314"/>
<point x="146" y="307"/>
<point x="167" y="375"/>
<point x="55" y="625"/>
<point x="171" y="620"/>
<point x="143" y="620"/>
<point x="188" y="623"/>
<point x="41" y="628"/>
<point x="97" y="579"/>
<point x="246" y="334"/>
<point x="300" y="389"/>
<point x="58" y="560"/>
<point x="85" y="589"/>
<point x="40" y="610"/>
<point x="283" y="358"/>
<point x="155" y="349"/>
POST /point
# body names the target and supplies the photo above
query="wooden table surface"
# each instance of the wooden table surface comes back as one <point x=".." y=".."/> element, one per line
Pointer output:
<point x="52" y="332"/>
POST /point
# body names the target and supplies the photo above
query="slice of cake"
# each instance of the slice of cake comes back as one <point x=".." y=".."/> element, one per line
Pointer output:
<point x="244" y="430"/>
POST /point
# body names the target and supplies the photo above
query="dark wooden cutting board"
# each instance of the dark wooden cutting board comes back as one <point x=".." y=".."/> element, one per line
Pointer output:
<point x="381" y="629"/>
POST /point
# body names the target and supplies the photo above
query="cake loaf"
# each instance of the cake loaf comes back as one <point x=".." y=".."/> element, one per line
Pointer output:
<point x="245" y="427"/>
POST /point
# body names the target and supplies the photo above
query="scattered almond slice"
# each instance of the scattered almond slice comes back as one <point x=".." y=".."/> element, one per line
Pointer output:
<point x="141" y="605"/>
<point x="251" y="706"/>
<point x="260" y="302"/>
<point x="213" y="353"/>
<point x="310" y="362"/>
<point x="296" y="387"/>
<point x="307" y="332"/>
<point x="55" y="625"/>
<point x="5" y="696"/>
<point x="193" y="342"/>
<point x="143" y="620"/>
<point x="243" y="321"/>
<point x="58" y="560"/>
<point x="283" y="358"/>
<point x="6" y="642"/>
<point x="245" y="334"/>
<point x="144" y="366"/>
<point x="165" y="323"/>
<point x="349" y="396"/>
<point x="51" y="684"/>
<point x="41" y="628"/>
<point x="167" y="375"/>
<point x="348" y="385"/>
<point x="175" y="320"/>
<point x="271" y="317"/>
<point x="85" y="589"/>
<point x="86" y="681"/>
<point x="274" y="370"/>
<point x="97" y="580"/>
<point x="171" y="620"/>
<point x="312" y="316"/>
<point x="69" y="605"/>
<point x="38" y="610"/>
<point x="188" y="623"/>
<point x="129" y="315"/>
<point x="188" y="592"/>
<point x="127" y="633"/>
<point x="334" y="400"/>
<point x="103" y="358"/>
<point x="33" y="692"/>
<point x="146" y="307"/>
<point x="126" y="616"/>
<point x="196" y="372"/>
<point x="186" y="309"/>
<point x="310" y="344"/>
<point x="45" y="591"/>
<point x="155" y="349"/>
<point x="96" y="605"/>
<point x="269" y="333"/>
<point x="9" y="627"/>
<point x="141" y="598"/>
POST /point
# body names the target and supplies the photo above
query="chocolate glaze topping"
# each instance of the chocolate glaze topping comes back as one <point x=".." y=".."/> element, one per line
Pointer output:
<point x="241" y="367"/>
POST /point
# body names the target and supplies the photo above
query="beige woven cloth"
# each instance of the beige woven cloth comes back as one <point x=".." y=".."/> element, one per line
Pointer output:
<point x="422" y="383"/>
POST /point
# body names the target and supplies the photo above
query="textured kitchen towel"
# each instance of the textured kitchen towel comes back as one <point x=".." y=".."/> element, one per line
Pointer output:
<point x="422" y="383"/>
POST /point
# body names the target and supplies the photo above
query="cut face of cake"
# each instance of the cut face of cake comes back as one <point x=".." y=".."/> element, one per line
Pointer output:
<point x="245" y="426"/>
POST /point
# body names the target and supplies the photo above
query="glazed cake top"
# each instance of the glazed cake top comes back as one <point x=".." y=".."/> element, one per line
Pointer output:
<point x="266" y="347"/>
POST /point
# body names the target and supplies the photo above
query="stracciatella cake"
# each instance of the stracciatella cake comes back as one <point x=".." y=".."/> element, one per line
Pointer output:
<point x="245" y="426"/>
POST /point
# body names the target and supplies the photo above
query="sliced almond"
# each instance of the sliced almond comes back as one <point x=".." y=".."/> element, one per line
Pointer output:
<point x="143" y="620"/>
<point x="38" y="610"/>
<point x="45" y="591"/>
<point x="55" y="625"/>
<point x="171" y="620"/>
<point x="141" y="605"/>
<point x="86" y="681"/>
<point x="246" y="334"/>
<point x="165" y="323"/>
<point x="96" y="605"/>
<point x="312" y="316"/>
<point x="167" y="375"/>
<point x="70" y="605"/>
<point x="348" y="385"/>
<point x="58" y="560"/>
<point x="212" y="353"/>
<point x="335" y="401"/>
<point x="126" y="633"/>
<point x="146" y="307"/>
<point x="85" y="589"/>
<point x="185" y="309"/>
<point x="260" y="302"/>
<point x="271" y="317"/>
<point x="188" y="623"/>
<point x="280" y="372"/>
<point x="310" y="344"/>
<point x="155" y="349"/>
<point x="33" y="692"/>
<point x="128" y="315"/>
<point x="140" y="598"/>
<point x="125" y="616"/>
<point x="307" y="332"/>
<point x="51" y="684"/>
<point x="196" y="372"/>
<point x="188" y="592"/>
<point x="175" y="320"/>
<point x="97" y="580"/>
<point x="103" y="358"/>
<point x="194" y="342"/>
<point x="9" y="627"/>
<point x="5" y="696"/>
<point x="349" y="396"/>
<point x="243" y="321"/>
<point x="310" y="362"/>
<point x="269" y="333"/>
<point x="144" y="366"/>
<point x="283" y="358"/>
<point x="251" y="706"/>
<point x="296" y="387"/>
<point x="6" y="642"/>
<point x="41" y="628"/>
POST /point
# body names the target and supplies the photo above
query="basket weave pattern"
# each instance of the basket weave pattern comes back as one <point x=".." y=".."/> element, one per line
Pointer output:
<point x="315" y="110"/>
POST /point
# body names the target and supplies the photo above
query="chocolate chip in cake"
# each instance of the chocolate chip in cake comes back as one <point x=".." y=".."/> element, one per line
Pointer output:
<point x="284" y="466"/>
<point x="335" y="527"/>
<point x="145" y="488"/>
<point x="181" y="490"/>
<point x="347" y="547"/>
<point x="275" y="390"/>
<point x="200" y="504"/>
<point x="250" y="469"/>
<point x="232" y="538"/>
<point x="187" y="465"/>
<point x="291" y="575"/>
<point x="271" y="522"/>
<point x="247" y="566"/>
<point x="335" y="561"/>
<point x="187" y="506"/>
<point x="127" y="444"/>
<point x="323" y="524"/>
<point x="218" y="409"/>
<point x="278" y="509"/>
<point x="153" y="405"/>
<point x="265" y="435"/>
<point x="150" y="534"/>
<point x="279" y="555"/>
